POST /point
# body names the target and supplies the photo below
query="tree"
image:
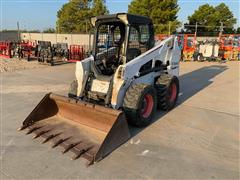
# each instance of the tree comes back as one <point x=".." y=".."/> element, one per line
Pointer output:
<point x="74" y="16"/>
<point x="162" y="12"/>
<point x="99" y="8"/>
<point x="238" y="30"/>
<point x="49" y="30"/>
<point x="141" y="7"/>
<point x="209" y="19"/>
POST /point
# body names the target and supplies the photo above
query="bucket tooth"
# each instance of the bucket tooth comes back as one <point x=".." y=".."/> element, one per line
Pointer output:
<point x="81" y="152"/>
<point x="40" y="133"/>
<point x="91" y="162"/>
<point x="33" y="129"/>
<point x="60" y="141"/>
<point x="22" y="128"/>
<point x="50" y="137"/>
<point x="70" y="146"/>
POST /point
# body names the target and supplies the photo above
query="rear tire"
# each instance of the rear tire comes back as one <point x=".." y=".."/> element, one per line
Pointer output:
<point x="167" y="91"/>
<point x="140" y="104"/>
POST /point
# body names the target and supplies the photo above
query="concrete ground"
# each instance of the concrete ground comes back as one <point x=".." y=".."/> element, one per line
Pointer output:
<point x="15" y="64"/>
<point x="199" y="139"/>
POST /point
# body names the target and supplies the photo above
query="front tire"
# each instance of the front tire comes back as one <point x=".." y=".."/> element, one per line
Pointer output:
<point x="167" y="91"/>
<point x="140" y="104"/>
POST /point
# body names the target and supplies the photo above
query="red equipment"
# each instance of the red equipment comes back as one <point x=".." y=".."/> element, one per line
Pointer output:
<point x="189" y="46"/>
<point x="230" y="45"/>
<point x="27" y="49"/>
<point x="5" y="49"/>
<point x="161" y="37"/>
<point x="76" y="53"/>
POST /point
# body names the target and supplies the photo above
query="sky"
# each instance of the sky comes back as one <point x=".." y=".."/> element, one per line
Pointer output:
<point x="42" y="14"/>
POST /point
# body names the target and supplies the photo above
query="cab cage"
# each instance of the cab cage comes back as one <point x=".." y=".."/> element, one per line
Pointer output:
<point x="137" y="28"/>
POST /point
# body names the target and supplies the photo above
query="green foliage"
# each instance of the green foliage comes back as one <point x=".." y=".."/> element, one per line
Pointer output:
<point x="140" y="7"/>
<point x="74" y="16"/>
<point x="99" y="8"/>
<point x="49" y="30"/>
<point x="162" y="12"/>
<point x="211" y="17"/>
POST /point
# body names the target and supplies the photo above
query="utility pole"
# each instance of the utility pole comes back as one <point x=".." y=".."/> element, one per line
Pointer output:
<point x="195" y="35"/>
<point x="18" y="30"/>
<point x="196" y="27"/>
<point x="221" y="29"/>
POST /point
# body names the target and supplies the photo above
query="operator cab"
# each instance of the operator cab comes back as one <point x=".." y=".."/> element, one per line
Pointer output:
<point x="118" y="39"/>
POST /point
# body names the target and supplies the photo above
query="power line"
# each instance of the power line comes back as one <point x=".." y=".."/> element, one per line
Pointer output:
<point x="167" y="25"/>
<point x="207" y="26"/>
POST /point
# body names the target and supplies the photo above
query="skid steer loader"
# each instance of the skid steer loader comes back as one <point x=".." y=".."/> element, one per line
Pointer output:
<point x="123" y="82"/>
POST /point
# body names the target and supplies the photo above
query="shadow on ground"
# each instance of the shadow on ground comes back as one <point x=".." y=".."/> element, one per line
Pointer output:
<point x="190" y="84"/>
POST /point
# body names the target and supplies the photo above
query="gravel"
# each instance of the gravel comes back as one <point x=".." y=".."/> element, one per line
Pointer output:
<point x="14" y="64"/>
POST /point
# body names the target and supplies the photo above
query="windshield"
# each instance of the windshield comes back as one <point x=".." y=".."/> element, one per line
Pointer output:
<point x="110" y="38"/>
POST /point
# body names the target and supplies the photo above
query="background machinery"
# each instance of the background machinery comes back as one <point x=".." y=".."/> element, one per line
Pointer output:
<point x="229" y="46"/>
<point x="123" y="82"/>
<point x="76" y="53"/>
<point x="207" y="51"/>
<point x="6" y="49"/>
<point x="161" y="37"/>
<point x="45" y="52"/>
<point x="60" y="53"/>
<point x="27" y="49"/>
<point x="189" y="47"/>
<point x="52" y="53"/>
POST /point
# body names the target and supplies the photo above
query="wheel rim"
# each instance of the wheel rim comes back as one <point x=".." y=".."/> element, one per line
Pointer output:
<point x="173" y="92"/>
<point x="147" y="106"/>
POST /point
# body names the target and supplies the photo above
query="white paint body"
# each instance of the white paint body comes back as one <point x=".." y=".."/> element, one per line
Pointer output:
<point x="209" y="50"/>
<point x="167" y="52"/>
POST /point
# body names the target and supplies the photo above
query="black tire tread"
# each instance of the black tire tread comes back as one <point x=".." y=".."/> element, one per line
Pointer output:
<point x="162" y="84"/>
<point x="131" y="103"/>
